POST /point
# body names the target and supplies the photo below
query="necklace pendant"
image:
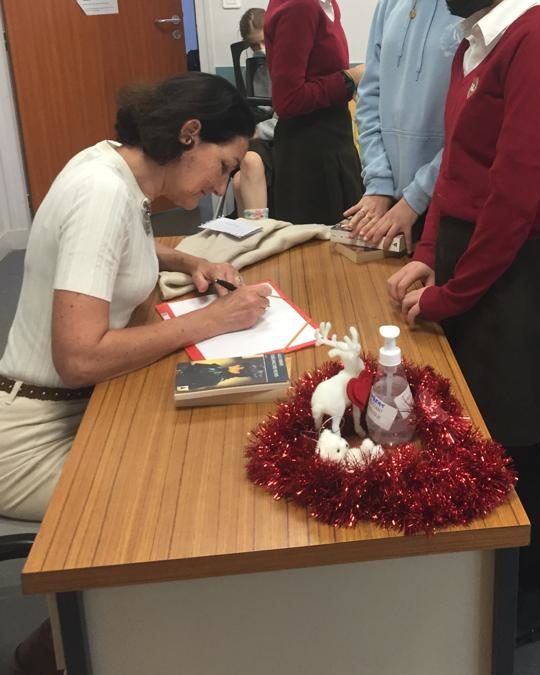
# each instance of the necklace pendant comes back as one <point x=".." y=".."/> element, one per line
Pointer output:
<point x="412" y="13"/>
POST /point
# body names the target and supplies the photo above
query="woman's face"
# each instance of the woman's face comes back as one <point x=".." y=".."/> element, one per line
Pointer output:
<point x="203" y="169"/>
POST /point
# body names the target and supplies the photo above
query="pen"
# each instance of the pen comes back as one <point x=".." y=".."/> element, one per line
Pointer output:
<point x="225" y="284"/>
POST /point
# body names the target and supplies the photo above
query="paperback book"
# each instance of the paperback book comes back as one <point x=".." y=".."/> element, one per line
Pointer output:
<point x="239" y="379"/>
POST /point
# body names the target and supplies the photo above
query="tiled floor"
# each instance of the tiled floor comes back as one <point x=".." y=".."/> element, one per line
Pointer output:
<point x="20" y="614"/>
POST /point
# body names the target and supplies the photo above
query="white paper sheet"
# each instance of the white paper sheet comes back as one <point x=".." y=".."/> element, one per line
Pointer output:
<point x="282" y="328"/>
<point x="94" y="7"/>
<point x="238" y="228"/>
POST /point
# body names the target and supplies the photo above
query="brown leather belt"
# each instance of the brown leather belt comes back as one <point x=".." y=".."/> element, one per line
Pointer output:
<point x="46" y="393"/>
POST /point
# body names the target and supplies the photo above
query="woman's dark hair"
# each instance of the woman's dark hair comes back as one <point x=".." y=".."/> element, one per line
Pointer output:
<point x="251" y="20"/>
<point x="150" y="117"/>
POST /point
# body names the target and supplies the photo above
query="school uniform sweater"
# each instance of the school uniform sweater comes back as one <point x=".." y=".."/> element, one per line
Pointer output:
<point x="306" y="53"/>
<point x="490" y="170"/>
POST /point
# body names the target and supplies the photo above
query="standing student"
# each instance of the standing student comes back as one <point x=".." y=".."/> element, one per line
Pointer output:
<point x="253" y="182"/>
<point x="479" y="255"/>
<point x="400" y="115"/>
<point x="316" y="164"/>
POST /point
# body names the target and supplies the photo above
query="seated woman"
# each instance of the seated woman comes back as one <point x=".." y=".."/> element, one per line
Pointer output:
<point x="92" y="259"/>
<point x="253" y="183"/>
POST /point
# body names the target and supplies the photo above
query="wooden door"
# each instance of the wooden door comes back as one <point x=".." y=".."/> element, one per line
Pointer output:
<point x="67" y="68"/>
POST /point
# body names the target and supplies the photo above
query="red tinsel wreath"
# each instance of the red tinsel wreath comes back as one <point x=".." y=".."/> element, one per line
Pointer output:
<point x="455" y="477"/>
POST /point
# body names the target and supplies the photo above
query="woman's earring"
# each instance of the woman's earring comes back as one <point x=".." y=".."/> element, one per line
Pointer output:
<point x="188" y="142"/>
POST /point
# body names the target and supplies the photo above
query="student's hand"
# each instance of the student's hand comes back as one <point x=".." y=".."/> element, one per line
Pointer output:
<point x="400" y="282"/>
<point x="410" y="307"/>
<point x="204" y="273"/>
<point x="398" y="220"/>
<point x="357" y="72"/>
<point x="241" y="308"/>
<point x="368" y="211"/>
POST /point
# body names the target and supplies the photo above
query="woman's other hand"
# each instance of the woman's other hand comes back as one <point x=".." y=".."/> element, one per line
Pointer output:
<point x="204" y="273"/>
<point x="401" y="281"/>
<point x="240" y="309"/>
<point x="369" y="210"/>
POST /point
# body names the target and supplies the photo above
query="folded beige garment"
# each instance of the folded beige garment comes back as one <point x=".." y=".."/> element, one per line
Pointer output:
<point x="275" y="236"/>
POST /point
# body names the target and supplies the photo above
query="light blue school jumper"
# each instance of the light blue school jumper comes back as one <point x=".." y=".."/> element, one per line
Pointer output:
<point x="402" y="97"/>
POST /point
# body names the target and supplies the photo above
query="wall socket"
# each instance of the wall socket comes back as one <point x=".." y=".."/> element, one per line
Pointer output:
<point x="232" y="4"/>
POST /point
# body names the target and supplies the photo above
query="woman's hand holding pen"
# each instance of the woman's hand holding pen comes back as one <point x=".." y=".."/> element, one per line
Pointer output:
<point x="240" y="309"/>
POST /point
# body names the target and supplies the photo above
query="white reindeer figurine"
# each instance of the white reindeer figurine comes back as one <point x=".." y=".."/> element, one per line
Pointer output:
<point x="330" y="396"/>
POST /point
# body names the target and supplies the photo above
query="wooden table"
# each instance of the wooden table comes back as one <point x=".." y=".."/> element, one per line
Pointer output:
<point x="151" y="494"/>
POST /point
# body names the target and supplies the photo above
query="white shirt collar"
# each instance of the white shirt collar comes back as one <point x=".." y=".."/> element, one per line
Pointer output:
<point x="328" y="8"/>
<point x="484" y="29"/>
<point x="491" y="23"/>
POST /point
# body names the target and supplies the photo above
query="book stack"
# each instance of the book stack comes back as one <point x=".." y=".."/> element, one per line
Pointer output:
<point x="360" y="254"/>
<point x="239" y="379"/>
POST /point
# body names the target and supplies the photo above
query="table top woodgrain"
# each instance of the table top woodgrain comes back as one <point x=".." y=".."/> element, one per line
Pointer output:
<point x="150" y="493"/>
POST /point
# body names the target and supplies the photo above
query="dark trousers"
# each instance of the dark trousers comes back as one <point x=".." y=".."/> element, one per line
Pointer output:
<point x="527" y="462"/>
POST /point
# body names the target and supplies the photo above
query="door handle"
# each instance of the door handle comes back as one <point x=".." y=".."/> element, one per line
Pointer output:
<point x="175" y="20"/>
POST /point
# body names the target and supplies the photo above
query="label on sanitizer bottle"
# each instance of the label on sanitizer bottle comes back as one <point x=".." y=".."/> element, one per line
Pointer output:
<point x="404" y="402"/>
<point x="380" y="413"/>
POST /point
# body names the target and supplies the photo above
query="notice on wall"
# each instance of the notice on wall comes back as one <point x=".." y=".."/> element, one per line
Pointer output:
<point x="93" y="7"/>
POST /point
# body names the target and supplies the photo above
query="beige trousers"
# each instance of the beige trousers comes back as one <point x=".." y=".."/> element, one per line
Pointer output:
<point x="35" y="437"/>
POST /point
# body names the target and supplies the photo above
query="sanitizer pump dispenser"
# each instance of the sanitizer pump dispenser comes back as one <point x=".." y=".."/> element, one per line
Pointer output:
<point x="389" y="417"/>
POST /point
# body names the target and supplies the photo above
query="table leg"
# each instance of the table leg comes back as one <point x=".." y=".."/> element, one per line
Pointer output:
<point x="505" y="595"/>
<point x="74" y="634"/>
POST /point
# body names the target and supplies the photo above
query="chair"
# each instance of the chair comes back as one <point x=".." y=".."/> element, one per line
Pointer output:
<point x="16" y="538"/>
<point x="244" y="78"/>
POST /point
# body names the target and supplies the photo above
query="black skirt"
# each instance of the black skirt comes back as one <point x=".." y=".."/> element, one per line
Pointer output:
<point x="317" y="171"/>
<point x="497" y="342"/>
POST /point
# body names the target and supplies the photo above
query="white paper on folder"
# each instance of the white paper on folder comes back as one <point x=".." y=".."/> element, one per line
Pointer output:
<point x="95" y="7"/>
<point x="238" y="228"/>
<point x="281" y="328"/>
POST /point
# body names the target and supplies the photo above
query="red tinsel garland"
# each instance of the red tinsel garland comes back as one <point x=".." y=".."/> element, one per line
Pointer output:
<point x="456" y="476"/>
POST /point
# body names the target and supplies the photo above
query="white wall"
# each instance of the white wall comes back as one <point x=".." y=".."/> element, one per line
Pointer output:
<point x="14" y="210"/>
<point x="222" y="25"/>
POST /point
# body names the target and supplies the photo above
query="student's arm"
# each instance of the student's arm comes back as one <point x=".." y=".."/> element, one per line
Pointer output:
<point x="293" y="34"/>
<point x="513" y="200"/>
<point x="418" y="193"/>
<point x="377" y="173"/>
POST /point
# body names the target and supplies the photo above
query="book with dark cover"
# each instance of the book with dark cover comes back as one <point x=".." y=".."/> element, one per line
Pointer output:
<point x="241" y="379"/>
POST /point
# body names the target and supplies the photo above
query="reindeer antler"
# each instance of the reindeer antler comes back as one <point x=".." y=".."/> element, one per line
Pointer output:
<point x="353" y="343"/>
<point x="349" y="344"/>
<point x="321" y="335"/>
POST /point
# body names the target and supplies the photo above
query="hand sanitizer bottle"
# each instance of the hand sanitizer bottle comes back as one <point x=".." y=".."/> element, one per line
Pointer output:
<point x="389" y="414"/>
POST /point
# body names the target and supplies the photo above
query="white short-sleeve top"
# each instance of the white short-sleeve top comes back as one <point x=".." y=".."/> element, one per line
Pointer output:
<point x="90" y="235"/>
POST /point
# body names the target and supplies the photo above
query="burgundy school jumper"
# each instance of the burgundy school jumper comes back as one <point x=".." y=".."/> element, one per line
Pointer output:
<point x="482" y="231"/>
<point x="316" y="165"/>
